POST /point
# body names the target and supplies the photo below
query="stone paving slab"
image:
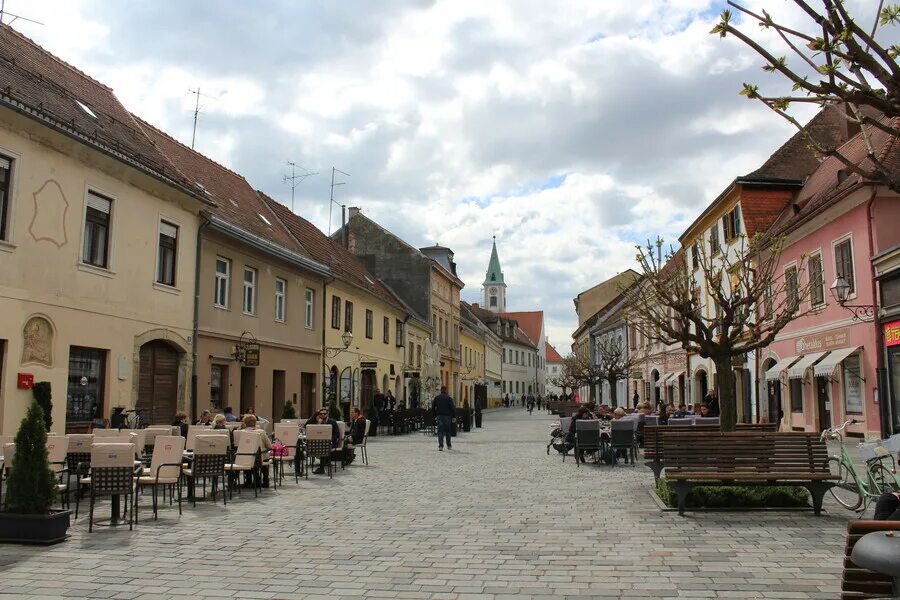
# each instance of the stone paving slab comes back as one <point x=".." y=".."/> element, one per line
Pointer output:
<point x="494" y="519"/>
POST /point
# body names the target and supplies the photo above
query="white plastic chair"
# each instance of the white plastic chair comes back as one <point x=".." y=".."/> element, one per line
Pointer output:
<point x="165" y="470"/>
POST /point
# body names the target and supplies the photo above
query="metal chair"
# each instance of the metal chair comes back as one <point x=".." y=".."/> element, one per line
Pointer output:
<point x="112" y="474"/>
<point x="165" y="470"/>
<point x="57" y="448"/>
<point x="564" y="424"/>
<point x="246" y="460"/>
<point x="706" y="420"/>
<point x="587" y="439"/>
<point x="682" y="421"/>
<point x="210" y="457"/>
<point x="288" y="434"/>
<point x="363" y="447"/>
<point x="318" y="445"/>
<point x="622" y="439"/>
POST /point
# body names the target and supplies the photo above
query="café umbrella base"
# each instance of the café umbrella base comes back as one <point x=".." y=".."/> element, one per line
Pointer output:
<point x="34" y="529"/>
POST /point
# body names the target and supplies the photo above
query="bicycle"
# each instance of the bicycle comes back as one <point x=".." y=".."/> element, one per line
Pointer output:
<point x="133" y="419"/>
<point x="851" y="491"/>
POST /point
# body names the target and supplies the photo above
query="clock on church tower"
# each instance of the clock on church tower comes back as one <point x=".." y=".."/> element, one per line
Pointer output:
<point x="494" y="287"/>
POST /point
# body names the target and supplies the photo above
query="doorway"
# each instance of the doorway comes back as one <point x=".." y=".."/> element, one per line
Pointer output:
<point x="158" y="382"/>
<point x="367" y="388"/>
<point x="278" y="394"/>
<point x="307" y="394"/>
<point x="824" y="403"/>
<point x="702" y="386"/>
<point x="248" y="388"/>
<point x="85" y="389"/>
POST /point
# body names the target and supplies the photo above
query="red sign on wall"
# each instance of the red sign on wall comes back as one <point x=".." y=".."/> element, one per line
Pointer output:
<point x="892" y="333"/>
<point x="25" y="381"/>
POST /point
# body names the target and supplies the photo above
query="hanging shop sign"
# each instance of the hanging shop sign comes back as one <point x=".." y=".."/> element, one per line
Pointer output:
<point x="820" y="342"/>
<point x="892" y="334"/>
<point x="251" y="355"/>
<point x="368" y="365"/>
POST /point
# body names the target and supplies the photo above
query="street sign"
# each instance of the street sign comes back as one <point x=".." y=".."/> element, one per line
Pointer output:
<point x="251" y="355"/>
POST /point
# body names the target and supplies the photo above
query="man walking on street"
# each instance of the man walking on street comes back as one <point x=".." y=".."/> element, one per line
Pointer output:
<point x="444" y="411"/>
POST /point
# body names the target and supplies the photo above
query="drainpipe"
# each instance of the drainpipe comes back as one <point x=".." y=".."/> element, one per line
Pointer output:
<point x="196" y="328"/>
<point x="884" y="405"/>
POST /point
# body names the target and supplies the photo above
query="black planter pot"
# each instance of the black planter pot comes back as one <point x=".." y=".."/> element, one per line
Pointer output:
<point x="34" y="529"/>
<point x="478" y="419"/>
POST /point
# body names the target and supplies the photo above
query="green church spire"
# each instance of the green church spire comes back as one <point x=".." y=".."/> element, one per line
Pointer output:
<point x="494" y="275"/>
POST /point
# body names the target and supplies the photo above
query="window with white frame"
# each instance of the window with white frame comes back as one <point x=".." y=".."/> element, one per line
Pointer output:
<point x="386" y="330"/>
<point x="399" y="333"/>
<point x="843" y="263"/>
<point x="95" y="251"/>
<point x="5" y="202"/>
<point x="250" y="290"/>
<point x="280" y="291"/>
<point x="816" y="280"/>
<point x="792" y="288"/>
<point x="370" y="324"/>
<point x="731" y="223"/>
<point x="167" y="253"/>
<point x="223" y="274"/>
<point x="309" y="309"/>
<point x="714" y="238"/>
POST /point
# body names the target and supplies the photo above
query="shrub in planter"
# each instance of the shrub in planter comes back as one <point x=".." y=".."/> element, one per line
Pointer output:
<point x="736" y="496"/>
<point x="334" y="411"/>
<point x="41" y="393"/>
<point x="31" y="487"/>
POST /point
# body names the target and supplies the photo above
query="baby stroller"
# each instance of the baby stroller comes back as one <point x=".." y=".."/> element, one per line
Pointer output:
<point x="560" y="439"/>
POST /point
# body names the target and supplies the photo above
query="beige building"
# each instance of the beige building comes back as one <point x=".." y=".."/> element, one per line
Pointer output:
<point x="97" y="249"/>
<point x="445" y="289"/>
<point x="259" y="336"/>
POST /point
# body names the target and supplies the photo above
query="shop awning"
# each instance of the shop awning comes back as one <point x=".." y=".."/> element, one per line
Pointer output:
<point x="806" y="361"/>
<point x="775" y="372"/>
<point x="673" y="379"/>
<point x="661" y="382"/>
<point x="828" y="364"/>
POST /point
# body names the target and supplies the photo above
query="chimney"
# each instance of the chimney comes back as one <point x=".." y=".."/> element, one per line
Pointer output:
<point x="354" y="210"/>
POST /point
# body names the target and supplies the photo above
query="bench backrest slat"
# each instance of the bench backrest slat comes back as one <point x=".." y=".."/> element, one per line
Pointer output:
<point x="744" y="452"/>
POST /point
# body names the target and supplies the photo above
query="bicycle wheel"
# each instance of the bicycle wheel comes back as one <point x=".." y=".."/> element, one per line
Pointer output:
<point x="845" y="491"/>
<point x="882" y="477"/>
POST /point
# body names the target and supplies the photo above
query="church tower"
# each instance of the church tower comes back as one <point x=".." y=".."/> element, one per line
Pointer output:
<point x="494" y="288"/>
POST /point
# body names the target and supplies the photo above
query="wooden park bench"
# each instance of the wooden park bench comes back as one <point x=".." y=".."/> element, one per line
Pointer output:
<point x="710" y="458"/>
<point x="564" y="409"/>
<point x="653" y="440"/>
<point x="857" y="582"/>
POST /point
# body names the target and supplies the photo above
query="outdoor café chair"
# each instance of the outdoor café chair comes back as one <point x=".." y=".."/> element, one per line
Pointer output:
<point x="210" y="457"/>
<point x="337" y="454"/>
<point x="587" y="439"/>
<point x="289" y="436"/>
<point x="706" y="420"/>
<point x="651" y="420"/>
<point x="622" y="439"/>
<point x="106" y="433"/>
<point x="682" y="421"/>
<point x="165" y="470"/>
<point x="78" y="458"/>
<point x="57" y="448"/>
<point x="193" y="432"/>
<point x="152" y="432"/>
<point x="246" y="460"/>
<point x="9" y="452"/>
<point x="318" y="445"/>
<point x="112" y="474"/>
<point x="363" y="447"/>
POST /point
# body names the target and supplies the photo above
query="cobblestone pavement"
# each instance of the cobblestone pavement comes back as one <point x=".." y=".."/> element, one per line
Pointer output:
<point x="495" y="518"/>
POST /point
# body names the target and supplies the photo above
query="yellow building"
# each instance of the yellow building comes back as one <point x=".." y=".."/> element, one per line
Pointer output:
<point x="472" y="352"/>
<point x="445" y="289"/>
<point x="97" y="248"/>
<point x="365" y="324"/>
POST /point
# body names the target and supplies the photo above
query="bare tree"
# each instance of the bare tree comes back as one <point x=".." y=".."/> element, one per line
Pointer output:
<point x="835" y="62"/>
<point x="567" y="378"/>
<point x="579" y="370"/>
<point x="616" y="362"/>
<point x="719" y="307"/>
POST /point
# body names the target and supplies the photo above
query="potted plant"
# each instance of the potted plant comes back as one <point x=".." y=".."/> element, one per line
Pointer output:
<point x="41" y="393"/>
<point x="288" y="411"/>
<point x="31" y="488"/>
<point x="372" y="416"/>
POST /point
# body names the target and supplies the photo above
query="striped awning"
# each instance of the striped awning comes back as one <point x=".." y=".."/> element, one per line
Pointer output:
<point x="798" y="370"/>
<point x="661" y="382"/>
<point x="775" y="372"/>
<point x="828" y="364"/>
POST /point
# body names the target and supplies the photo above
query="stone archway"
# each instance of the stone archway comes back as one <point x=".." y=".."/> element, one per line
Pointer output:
<point x="158" y="368"/>
<point x="182" y="348"/>
<point x="701" y="385"/>
<point x="774" y="408"/>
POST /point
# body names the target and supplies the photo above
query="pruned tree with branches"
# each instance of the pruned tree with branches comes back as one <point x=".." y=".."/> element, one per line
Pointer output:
<point x="719" y="307"/>
<point x="615" y="362"/>
<point x="578" y="369"/>
<point x="567" y="378"/>
<point x="834" y="61"/>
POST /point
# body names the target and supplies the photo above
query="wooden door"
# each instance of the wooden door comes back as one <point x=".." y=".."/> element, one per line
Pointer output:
<point x="307" y="394"/>
<point x="248" y="389"/>
<point x="824" y="403"/>
<point x="158" y="383"/>
<point x="367" y="389"/>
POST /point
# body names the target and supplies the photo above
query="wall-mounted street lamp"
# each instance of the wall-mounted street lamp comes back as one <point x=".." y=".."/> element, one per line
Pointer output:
<point x="840" y="291"/>
<point x="346" y="339"/>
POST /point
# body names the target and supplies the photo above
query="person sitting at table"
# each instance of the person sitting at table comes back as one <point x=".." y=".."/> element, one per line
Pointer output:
<point x="322" y="418"/>
<point x="219" y="422"/>
<point x="230" y="416"/>
<point x="681" y="412"/>
<point x="181" y="421"/>
<point x="603" y="413"/>
<point x="248" y="423"/>
<point x="205" y="417"/>
<point x="262" y="420"/>
<point x="618" y="413"/>
<point x="584" y="414"/>
<point x="357" y="427"/>
<point x="646" y="409"/>
<point x="667" y="414"/>
<point x="696" y="410"/>
<point x="704" y="410"/>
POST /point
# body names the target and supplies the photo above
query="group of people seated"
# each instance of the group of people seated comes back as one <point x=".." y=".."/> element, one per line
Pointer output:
<point x="604" y="412"/>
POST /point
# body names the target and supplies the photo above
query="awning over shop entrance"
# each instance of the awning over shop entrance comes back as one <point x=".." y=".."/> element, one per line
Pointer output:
<point x="775" y="372"/>
<point x="661" y="382"/>
<point x="806" y="361"/>
<point x="828" y="364"/>
<point x="673" y="378"/>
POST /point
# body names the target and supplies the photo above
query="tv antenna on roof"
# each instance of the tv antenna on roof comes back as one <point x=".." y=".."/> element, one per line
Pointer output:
<point x="4" y="13"/>
<point x="331" y="201"/>
<point x="297" y="178"/>
<point x="196" y="111"/>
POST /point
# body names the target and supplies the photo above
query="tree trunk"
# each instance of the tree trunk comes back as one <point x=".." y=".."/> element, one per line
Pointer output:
<point x="613" y="397"/>
<point x="727" y="400"/>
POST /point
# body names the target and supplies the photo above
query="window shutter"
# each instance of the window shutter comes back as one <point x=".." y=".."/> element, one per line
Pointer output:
<point x="168" y="230"/>
<point x="98" y="203"/>
<point x="5" y="163"/>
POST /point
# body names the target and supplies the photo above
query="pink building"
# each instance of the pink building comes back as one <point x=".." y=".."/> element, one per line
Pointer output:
<point x="823" y="367"/>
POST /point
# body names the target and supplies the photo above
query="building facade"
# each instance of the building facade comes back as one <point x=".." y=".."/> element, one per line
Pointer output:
<point x="97" y="247"/>
<point x="555" y="367"/>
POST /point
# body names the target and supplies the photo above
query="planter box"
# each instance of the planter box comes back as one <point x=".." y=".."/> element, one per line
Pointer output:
<point x="34" y="529"/>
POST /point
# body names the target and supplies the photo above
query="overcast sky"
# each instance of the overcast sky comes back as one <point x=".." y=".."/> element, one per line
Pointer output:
<point x="569" y="129"/>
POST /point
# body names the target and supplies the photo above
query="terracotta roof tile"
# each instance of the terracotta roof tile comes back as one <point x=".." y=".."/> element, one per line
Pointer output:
<point x="529" y="321"/>
<point x="761" y="207"/>
<point x="46" y="87"/>
<point x="236" y="201"/>
<point x="330" y="253"/>
<point x="552" y="355"/>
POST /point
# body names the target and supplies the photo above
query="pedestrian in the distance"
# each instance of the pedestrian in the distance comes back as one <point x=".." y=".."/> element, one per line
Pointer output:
<point x="444" y="411"/>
